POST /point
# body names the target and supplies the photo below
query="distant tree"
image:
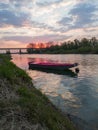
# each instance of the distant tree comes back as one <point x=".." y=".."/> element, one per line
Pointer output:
<point x="31" y="45"/>
<point x="93" y="42"/>
<point x="49" y="44"/>
<point x="85" y="42"/>
<point x="30" y="48"/>
<point x="76" y="43"/>
<point x="77" y="46"/>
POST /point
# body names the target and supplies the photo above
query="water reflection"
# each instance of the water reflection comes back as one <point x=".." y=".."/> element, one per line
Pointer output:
<point x="39" y="60"/>
<point x="77" y="96"/>
<point x="60" y="72"/>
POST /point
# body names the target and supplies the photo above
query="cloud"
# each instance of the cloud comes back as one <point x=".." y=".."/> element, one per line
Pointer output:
<point x="65" y="21"/>
<point x="26" y="21"/>
<point x="50" y="37"/>
<point x="4" y="6"/>
<point x="45" y="3"/>
<point x="23" y="39"/>
<point x="19" y="3"/>
<point x="8" y="17"/>
<point x="81" y="15"/>
<point x="44" y="26"/>
<point x="29" y="39"/>
<point x="12" y="44"/>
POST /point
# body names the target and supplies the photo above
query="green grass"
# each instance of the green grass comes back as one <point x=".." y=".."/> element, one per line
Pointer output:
<point x="39" y="109"/>
<point x="34" y="105"/>
<point x="9" y="71"/>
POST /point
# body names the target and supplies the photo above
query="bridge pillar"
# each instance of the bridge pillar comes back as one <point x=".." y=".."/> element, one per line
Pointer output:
<point x="20" y="51"/>
<point x="8" y="51"/>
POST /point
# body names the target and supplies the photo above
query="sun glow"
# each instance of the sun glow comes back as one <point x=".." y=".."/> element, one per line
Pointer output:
<point x="40" y="45"/>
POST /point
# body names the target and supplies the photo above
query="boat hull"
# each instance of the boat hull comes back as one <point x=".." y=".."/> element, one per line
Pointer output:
<point x="51" y="66"/>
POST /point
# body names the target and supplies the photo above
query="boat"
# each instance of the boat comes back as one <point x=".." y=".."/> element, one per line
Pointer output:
<point x="51" y="65"/>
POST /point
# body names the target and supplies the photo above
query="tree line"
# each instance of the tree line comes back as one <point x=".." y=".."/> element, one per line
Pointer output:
<point x="83" y="46"/>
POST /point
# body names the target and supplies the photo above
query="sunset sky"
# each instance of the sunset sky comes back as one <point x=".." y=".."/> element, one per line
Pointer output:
<point x="27" y="21"/>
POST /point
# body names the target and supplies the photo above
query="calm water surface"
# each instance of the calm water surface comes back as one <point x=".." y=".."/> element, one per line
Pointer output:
<point x="75" y="95"/>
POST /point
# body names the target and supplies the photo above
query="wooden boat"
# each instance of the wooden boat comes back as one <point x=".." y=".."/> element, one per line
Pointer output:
<point x="51" y="65"/>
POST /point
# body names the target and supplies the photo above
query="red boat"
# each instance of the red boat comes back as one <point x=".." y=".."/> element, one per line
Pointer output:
<point x="51" y="65"/>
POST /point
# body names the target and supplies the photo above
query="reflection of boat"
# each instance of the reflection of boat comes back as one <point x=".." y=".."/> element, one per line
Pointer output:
<point x="59" y="72"/>
<point x="51" y="65"/>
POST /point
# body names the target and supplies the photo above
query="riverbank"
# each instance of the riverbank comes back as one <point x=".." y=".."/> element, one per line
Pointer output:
<point x="24" y="107"/>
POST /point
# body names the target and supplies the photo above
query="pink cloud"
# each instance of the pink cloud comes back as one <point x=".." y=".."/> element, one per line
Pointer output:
<point x="12" y="44"/>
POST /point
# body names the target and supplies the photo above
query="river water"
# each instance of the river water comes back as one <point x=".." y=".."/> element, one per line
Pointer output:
<point x="76" y="95"/>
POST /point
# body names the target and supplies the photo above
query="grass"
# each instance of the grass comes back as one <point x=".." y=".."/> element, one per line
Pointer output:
<point x="34" y="105"/>
<point x="9" y="71"/>
<point x="39" y="109"/>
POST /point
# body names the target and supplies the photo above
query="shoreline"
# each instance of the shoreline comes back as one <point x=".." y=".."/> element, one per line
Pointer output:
<point x="24" y="105"/>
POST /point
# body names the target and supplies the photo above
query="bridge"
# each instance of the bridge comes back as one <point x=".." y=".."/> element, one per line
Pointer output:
<point x="17" y="50"/>
<point x="13" y="50"/>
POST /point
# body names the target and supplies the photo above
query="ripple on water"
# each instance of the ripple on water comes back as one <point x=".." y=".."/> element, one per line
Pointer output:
<point x="75" y="95"/>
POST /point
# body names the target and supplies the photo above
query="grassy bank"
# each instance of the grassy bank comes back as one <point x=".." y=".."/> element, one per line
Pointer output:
<point x="22" y="107"/>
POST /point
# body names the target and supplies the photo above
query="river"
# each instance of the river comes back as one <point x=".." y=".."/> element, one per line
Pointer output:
<point x="76" y="95"/>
